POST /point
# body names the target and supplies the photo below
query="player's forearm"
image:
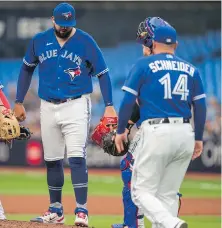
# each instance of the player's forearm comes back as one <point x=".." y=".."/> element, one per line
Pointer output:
<point x="3" y="100"/>
<point x="125" y="111"/>
<point x="135" y="114"/>
<point x="24" y="82"/>
<point x="200" y="111"/>
<point x="134" y="117"/>
<point x="106" y="89"/>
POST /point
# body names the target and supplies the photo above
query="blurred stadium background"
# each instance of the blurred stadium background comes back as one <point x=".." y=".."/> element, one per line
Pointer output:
<point x="114" y="26"/>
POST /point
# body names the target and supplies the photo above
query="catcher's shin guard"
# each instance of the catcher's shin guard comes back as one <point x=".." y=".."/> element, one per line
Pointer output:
<point x="132" y="216"/>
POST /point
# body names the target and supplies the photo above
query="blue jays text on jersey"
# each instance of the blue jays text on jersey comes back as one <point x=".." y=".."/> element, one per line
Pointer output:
<point x="65" y="71"/>
<point x="165" y="85"/>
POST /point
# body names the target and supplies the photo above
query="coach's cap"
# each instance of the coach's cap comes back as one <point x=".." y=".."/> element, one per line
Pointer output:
<point x="165" y="34"/>
<point x="64" y="15"/>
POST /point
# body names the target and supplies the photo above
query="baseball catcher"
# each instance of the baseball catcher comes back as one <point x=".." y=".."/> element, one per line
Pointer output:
<point x="133" y="216"/>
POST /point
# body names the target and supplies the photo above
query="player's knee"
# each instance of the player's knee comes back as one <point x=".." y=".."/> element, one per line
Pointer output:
<point x="126" y="169"/>
<point x="54" y="164"/>
<point x="76" y="151"/>
<point x="77" y="162"/>
<point x="125" y="162"/>
<point x="126" y="193"/>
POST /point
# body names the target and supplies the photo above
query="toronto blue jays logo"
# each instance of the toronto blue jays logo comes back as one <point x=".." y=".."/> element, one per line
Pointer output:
<point x="67" y="15"/>
<point x="73" y="72"/>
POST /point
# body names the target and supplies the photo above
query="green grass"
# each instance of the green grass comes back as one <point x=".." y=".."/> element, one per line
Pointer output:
<point x="32" y="183"/>
<point x="106" y="221"/>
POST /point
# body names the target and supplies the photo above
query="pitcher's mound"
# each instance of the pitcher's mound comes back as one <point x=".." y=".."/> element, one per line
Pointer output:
<point x="23" y="224"/>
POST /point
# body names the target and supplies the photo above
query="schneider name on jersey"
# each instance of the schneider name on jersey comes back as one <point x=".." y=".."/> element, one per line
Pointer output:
<point x="178" y="84"/>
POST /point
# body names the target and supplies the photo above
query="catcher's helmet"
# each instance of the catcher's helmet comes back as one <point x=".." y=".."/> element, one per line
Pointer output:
<point x="146" y="30"/>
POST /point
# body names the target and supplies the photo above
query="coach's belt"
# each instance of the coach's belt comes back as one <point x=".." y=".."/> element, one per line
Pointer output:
<point x="60" y="101"/>
<point x="168" y="120"/>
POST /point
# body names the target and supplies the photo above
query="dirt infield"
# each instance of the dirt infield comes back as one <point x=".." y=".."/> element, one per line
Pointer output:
<point x="16" y="224"/>
<point x="111" y="205"/>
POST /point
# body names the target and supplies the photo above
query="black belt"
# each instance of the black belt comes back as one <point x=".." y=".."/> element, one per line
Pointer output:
<point x="60" y="101"/>
<point x="168" y="120"/>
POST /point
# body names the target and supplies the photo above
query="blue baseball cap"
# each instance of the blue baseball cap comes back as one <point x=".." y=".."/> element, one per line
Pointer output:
<point x="165" y="35"/>
<point x="64" y="15"/>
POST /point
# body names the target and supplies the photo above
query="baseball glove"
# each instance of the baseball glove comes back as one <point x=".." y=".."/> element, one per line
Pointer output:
<point x="104" y="135"/>
<point x="10" y="128"/>
<point x="104" y="127"/>
<point x="109" y="146"/>
<point x="25" y="133"/>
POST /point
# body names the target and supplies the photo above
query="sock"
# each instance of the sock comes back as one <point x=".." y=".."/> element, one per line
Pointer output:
<point x="79" y="175"/>
<point x="55" y="180"/>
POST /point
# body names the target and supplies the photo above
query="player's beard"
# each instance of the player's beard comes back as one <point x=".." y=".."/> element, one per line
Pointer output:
<point x="62" y="35"/>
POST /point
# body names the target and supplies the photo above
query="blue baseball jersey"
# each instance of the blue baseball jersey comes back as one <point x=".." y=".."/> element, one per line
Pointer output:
<point x="66" y="71"/>
<point x="165" y="85"/>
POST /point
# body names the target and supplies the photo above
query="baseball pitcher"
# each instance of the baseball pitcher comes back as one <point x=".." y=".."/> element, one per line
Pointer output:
<point x="67" y="58"/>
<point x="167" y="87"/>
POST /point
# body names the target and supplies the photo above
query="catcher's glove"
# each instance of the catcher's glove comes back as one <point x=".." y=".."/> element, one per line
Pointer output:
<point x="104" y="135"/>
<point x="109" y="146"/>
<point x="103" y="128"/>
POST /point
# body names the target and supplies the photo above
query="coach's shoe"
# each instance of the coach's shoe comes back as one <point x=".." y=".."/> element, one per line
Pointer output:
<point x="81" y="217"/>
<point x="181" y="224"/>
<point x="53" y="215"/>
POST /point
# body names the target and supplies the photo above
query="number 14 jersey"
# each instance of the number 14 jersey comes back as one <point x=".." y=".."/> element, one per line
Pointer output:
<point x="165" y="85"/>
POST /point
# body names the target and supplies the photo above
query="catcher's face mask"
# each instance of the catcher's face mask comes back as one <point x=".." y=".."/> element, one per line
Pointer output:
<point x="145" y="32"/>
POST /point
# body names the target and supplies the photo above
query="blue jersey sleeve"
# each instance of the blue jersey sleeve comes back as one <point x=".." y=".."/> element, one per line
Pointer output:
<point x="30" y="58"/>
<point x="95" y="57"/>
<point x="134" y="80"/>
<point x="199" y="106"/>
<point x="198" y="90"/>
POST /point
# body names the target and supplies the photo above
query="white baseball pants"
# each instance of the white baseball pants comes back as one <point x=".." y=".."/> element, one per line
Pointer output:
<point x="65" y="127"/>
<point x="162" y="158"/>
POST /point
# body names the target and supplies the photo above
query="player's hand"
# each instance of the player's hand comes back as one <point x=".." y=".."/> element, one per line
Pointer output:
<point x="198" y="148"/>
<point x="119" y="140"/>
<point x="110" y="112"/>
<point x="20" y="113"/>
<point x="4" y="110"/>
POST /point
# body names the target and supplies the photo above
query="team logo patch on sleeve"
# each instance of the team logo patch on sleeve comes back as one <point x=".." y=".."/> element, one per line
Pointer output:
<point x="73" y="72"/>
